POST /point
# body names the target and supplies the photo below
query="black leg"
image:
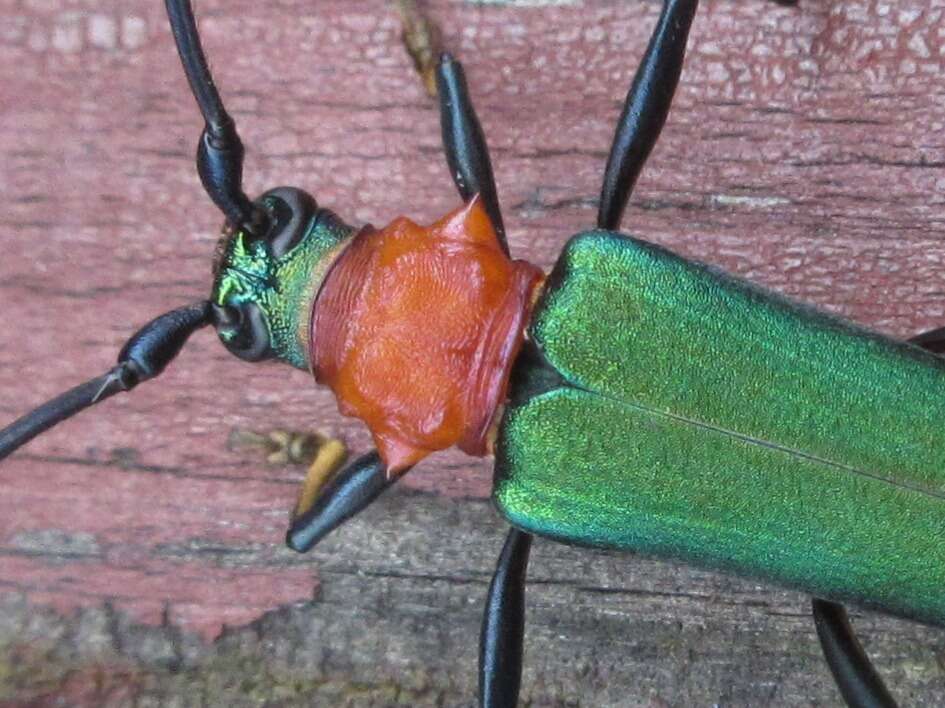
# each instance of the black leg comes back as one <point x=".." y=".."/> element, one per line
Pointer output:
<point x="347" y="493"/>
<point x="646" y="108"/>
<point x="466" y="152"/>
<point x="933" y="340"/>
<point x="856" y="678"/>
<point x="143" y="357"/>
<point x="503" y="626"/>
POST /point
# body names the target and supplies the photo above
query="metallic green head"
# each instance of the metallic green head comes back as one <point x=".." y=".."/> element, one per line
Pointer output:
<point x="264" y="286"/>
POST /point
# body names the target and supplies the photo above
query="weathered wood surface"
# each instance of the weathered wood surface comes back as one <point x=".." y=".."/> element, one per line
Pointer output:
<point x="805" y="152"/>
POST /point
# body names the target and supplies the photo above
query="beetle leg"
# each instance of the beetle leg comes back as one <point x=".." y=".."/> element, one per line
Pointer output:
<point x="857" y="679"/>
<point x="350" y="491"/>
<point x="464" y="143"/>
<point x="645" y="109"/>
<point x="328" y="459"/>
<point x="933" y="340"/>
<point x="503" y="625"/>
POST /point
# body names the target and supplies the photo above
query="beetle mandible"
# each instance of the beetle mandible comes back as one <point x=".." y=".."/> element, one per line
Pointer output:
<point x="255" y="326"/>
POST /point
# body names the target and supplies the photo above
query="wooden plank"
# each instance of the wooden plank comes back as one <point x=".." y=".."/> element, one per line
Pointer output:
<point x="804" y="152"/>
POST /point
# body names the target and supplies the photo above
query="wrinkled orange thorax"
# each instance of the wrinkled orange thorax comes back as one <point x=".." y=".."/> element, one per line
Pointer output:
<point x="415" y="331"/>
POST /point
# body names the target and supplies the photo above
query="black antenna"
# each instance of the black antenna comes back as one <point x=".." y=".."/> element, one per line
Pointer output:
<point x="220" y="150"/>
<point x="143" y="357"/>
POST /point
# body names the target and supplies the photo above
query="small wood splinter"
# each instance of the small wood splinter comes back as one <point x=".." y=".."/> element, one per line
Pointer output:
<point x="323" y="454"/>
<point x="422" y="40"/>
<point x="331" y="455"/>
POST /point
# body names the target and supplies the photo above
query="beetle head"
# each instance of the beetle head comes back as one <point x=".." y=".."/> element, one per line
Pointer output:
<point x="264" y="286"/>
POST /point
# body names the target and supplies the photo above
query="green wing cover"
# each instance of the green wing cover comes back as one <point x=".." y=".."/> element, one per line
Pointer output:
<point x="692" y="415"/>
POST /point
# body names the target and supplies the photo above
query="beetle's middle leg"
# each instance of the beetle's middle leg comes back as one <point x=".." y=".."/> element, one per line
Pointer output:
<point x="644" y="113"/>
<point x="503" y="625"/>
<point x="646" y="108"/>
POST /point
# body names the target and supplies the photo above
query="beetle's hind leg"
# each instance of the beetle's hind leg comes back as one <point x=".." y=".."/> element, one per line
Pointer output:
<point x="857" y="679"/>
<point x="854" y="673"/>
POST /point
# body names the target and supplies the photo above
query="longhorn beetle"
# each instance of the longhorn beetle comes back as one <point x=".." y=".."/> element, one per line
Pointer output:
<point x="697" y="394"/>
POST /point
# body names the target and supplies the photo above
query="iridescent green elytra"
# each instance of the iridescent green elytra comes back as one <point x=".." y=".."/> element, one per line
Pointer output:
<point x="674" y="410"/>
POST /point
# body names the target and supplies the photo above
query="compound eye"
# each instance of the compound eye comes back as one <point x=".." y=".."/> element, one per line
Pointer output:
<point x="290" y="214"/>
<point x="243" y="330"/>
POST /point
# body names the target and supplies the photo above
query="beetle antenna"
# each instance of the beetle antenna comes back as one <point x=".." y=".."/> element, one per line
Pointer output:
<point x="144" y="356"/>
<point x="220" y="150"/>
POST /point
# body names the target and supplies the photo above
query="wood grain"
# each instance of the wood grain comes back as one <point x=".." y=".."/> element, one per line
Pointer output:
<point x="804" y="151"/>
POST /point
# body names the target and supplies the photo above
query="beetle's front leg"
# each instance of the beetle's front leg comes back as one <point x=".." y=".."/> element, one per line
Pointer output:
<point x="467" y="154"/>
<point x="324" y="508"/>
